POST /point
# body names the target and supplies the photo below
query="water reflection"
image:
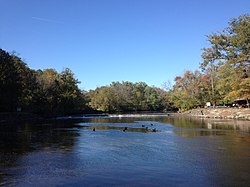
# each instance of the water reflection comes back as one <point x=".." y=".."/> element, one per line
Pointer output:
<point x="126" y="151"/>
<point x="29" y="137"/>
<point x="194" y="133"/>
<point x="236" y="125"/>
<point x="180" y="122"/>
<point x="16" y="141"/>
<point x="177" y="121"/>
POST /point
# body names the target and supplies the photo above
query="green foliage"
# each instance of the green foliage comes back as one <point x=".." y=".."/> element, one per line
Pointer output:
<point x="127" y="96"/>
<point x="15" y="82"/>
<point x="42" y="91"/>
<point x="52" y="93"/>
<point x="104" y="99"/>
<point x="58" y="93"/>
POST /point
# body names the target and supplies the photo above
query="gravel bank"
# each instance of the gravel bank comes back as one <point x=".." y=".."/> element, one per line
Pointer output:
<point x="224" y="113"/>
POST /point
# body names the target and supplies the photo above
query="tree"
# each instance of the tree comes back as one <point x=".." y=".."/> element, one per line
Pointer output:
<point x="124" y="95"/>
<point x="127" y="96"/>
<point x="58" y="93"/>
<point x="138" y="93"/>
<point x="103" y="99"/>
<point x="8" y="83"/>
<point x="154" y="99"/>
<point x="228" y="58"/>
<point x="71" y="97"/>
<point x="189" y="90"/>
<point x="16" y="82"/>
<point x="47" y="94"/>
<point x="42" y="91"/>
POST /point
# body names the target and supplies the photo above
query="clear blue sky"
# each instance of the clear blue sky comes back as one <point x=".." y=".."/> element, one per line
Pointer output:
<point x="114" y="40"/>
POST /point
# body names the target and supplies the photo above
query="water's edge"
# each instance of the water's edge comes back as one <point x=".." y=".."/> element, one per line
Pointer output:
<point x="226" y="113"/>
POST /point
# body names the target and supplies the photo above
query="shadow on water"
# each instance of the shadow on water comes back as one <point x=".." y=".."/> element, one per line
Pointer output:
<point x="19" y="140"/>
<point x="22" y="138"/>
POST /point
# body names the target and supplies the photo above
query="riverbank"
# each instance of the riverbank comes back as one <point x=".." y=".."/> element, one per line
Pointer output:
<point x="223" y="113"/>
<point x="215" y="113"/>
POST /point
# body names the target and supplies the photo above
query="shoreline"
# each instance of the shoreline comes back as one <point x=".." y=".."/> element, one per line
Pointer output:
<point x="213" y="113"/>
<point x="219" y="113"/>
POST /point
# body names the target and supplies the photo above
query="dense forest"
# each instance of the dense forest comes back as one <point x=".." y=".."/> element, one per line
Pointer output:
<point x="224" y="77"/>
<point x="41" y="91"/>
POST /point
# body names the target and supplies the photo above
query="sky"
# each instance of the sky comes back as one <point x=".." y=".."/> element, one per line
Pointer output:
<point x="103" y="41"/>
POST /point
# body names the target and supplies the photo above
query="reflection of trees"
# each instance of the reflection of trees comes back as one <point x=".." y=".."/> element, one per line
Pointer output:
<point x="16" y="140"/>
<point x="181" y="122"/>
<point x="224" y="158"/>
<point x="212" y="124"/>
<point x="232" y="125"/>
<point x="184" y="122"/>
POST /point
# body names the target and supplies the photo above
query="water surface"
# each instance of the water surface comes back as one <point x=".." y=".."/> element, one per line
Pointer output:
<point x="131" y="151"/>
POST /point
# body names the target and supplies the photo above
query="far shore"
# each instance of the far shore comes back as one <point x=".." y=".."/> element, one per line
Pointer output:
<point x="222" y="113"/>
<point x="215" y="113"/>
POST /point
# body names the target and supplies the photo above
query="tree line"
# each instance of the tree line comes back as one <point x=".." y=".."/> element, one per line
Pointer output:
<point x="49" y="92"/>
<point x="128" y="96"/>
<point x="223" y="77"/>
<point x="37" y="91"/>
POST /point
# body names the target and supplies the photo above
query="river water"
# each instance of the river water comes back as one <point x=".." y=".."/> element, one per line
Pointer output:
<point x="126" y="151"/>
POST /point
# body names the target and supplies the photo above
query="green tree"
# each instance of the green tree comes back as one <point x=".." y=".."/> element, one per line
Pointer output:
<point x="41" y="91"/>
<point x="103" y="99"/>
<point x="140" y="104"/>
<point x="47" y="94"/>
<point x="127" y="96"/>
<point x="154" y="100"/>
<point x="16" y="82"/>
<point x="58" y="93"/>
<point x="124" y="95"/>
<point x="70" y="96"/>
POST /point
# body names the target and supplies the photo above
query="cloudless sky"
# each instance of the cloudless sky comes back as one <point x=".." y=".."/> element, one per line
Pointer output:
<point x="103" y="41"/>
